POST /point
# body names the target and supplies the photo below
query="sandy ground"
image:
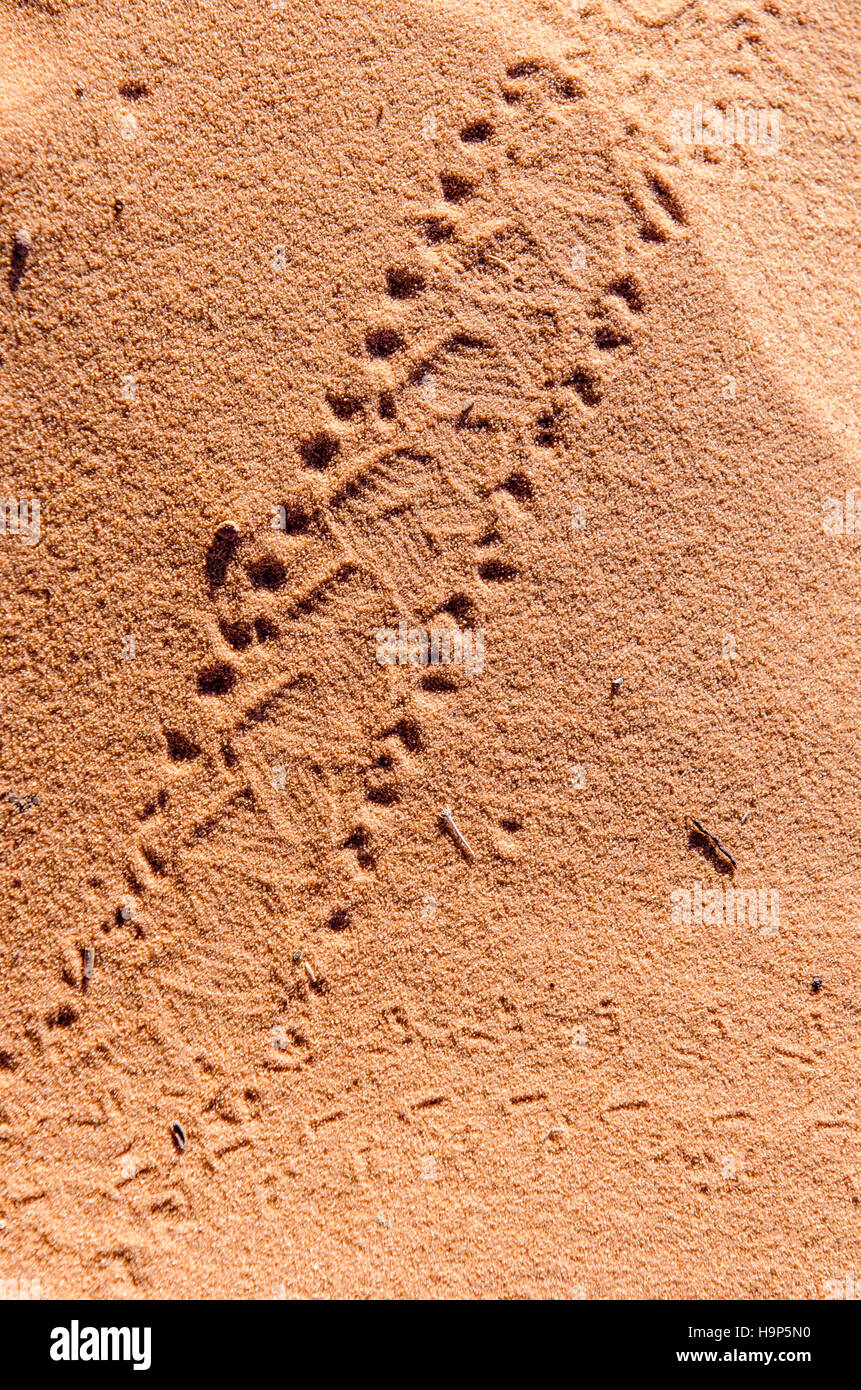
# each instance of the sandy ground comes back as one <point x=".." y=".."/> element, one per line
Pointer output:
<point x="331" y="316"/>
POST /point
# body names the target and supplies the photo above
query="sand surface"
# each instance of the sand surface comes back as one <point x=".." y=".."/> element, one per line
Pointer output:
<point x="336" y="315"/>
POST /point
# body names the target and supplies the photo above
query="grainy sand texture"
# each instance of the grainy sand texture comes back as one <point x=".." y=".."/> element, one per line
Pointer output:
<point x="342" y="335"/>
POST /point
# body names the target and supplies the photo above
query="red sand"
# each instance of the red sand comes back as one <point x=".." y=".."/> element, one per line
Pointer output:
<point x="435" y="280"/>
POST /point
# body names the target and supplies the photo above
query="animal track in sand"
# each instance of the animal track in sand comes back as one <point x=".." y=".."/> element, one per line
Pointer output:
<point x="402" y="282"/>
<point x="477" y="132"/>
<point x="456" y="188"/>
<point x="216" y="679"/>
<point x="383" y="342"/>
<point x="627" y="289"/>
<point x="378" y="528"/>
<point x="320" y="451"/>
<point x="496" y="572"/>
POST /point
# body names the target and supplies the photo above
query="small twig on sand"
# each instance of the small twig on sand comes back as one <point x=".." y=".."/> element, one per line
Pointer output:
<point x="696" y="828"/>
<point x="461" y="839"/>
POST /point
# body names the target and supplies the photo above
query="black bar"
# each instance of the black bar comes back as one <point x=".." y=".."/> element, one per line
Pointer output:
<point x="451" y="1340"/>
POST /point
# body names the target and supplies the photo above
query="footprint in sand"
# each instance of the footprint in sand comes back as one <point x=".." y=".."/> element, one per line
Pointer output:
<point x="377" y="521"/>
